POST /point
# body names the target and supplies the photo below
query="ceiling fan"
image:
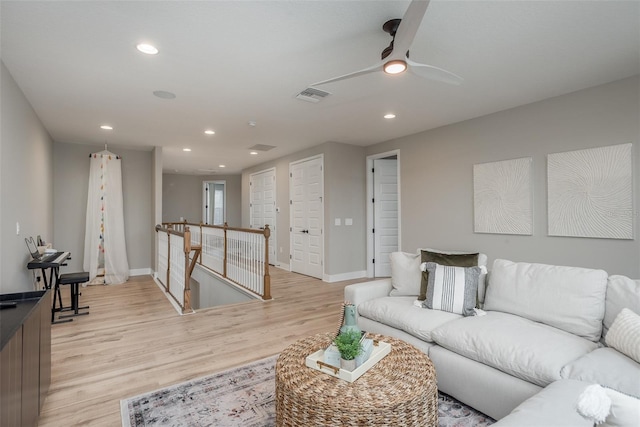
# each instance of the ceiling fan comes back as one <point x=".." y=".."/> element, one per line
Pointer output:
<point x="395" y="57"/>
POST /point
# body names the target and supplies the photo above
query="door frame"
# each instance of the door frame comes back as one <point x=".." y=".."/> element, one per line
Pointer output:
<point x="205" y="195"/>
<point x="306" y="159"/>
<point x="370" y="207"/>
<point x="274" y="230"/>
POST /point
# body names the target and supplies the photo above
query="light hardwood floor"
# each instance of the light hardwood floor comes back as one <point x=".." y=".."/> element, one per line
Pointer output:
<point x="133" y="341"/>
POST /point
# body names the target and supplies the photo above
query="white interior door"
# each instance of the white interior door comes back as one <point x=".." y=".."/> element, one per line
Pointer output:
<point x="385" y="217"/>
<point x="307" y="217"/>
<point x="263" y="205"/>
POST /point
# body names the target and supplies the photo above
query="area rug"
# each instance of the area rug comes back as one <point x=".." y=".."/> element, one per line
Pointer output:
<point x="244" y="397"/>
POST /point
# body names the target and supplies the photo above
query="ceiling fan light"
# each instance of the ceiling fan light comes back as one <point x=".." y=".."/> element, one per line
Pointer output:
<point x="396" y="66"/>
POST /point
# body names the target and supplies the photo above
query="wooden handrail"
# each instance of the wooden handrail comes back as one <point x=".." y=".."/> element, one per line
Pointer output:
<point x="198" y="252"/>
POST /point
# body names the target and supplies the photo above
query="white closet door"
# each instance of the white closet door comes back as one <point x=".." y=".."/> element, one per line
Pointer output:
<point x="263" y="205"/>
<point x="307" y="217"/>
<point x="385" y="187"/>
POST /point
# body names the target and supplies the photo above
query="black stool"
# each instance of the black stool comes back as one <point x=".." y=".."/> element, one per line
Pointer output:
<point x="73" y="279"/>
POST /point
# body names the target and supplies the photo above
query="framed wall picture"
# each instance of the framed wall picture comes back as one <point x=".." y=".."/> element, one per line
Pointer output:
<point x="503" y="197"/>
<point x="589" y="193"/>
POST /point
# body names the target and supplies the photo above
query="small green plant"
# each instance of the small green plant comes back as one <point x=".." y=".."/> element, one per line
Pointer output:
<point x="348" y="344"/>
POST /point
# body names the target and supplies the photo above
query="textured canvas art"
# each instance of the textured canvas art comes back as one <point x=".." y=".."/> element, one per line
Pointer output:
<point x="502" y="197"/>
<point x="589" y="193"/>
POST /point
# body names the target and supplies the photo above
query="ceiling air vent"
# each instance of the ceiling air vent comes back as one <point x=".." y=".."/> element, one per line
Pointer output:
<point x="312" y="94"/>
<point x="262" y="147"/>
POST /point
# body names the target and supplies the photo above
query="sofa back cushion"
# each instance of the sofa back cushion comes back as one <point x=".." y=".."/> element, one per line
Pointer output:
<point x="622" y="292"/>
<point x="405" y="274"/>
<point x="568" y="298"/>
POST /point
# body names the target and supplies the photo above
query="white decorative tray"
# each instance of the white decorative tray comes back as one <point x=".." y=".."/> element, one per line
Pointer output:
<point x="316" y="361"/>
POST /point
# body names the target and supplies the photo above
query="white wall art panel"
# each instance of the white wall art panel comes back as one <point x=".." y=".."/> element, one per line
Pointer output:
<point x="589" y="193"/>
<point x="502" y="197"/>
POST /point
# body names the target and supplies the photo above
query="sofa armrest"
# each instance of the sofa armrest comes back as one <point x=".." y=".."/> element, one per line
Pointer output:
<point x="365" y="291"/>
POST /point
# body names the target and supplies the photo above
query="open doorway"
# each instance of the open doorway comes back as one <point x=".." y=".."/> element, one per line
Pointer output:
<point x="214" y="200"/>
<point x="383" y="211"/>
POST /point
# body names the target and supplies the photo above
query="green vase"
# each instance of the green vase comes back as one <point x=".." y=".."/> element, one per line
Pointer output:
<point x="350" y="323"/>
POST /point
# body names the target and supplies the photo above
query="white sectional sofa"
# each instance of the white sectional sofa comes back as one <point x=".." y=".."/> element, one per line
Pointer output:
<point x="539" y="325"/>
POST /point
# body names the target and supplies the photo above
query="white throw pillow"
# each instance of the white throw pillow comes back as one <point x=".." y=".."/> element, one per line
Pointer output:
<point x="622" y="292"/>
<point x="625" y="410"/>
<point x="624" y="334"/>
<point x="405" y="274"/>
<point x="608" y="408"/>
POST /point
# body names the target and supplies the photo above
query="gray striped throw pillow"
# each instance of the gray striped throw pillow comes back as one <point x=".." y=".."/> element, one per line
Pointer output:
<point x="452" y="289"/>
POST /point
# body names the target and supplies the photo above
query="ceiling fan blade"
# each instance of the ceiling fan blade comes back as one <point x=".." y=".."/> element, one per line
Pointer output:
<point x="372" y="69"/>
<point x="434" y="73"/>
<point x="408" y="27"/>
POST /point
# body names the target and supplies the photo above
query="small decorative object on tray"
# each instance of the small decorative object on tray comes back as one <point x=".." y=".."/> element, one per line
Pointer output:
<point x="332" y="355"/>
<point x="379" y="349"/>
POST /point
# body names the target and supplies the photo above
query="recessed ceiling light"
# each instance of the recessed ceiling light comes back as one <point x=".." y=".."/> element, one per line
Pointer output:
<point x="209" y="132"/>
<point x="106" y="127"/>
<point x="221" y="166"/>
<point x="390" y="116"/>
<point x="186" y="149"/>
<point x="164" y="94"/>
<point x="147" y="48"/>
<point x="253" y="153"/>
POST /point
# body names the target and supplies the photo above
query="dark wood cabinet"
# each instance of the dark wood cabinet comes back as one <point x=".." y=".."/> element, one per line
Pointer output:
<point x="11" y="382"/>
<point x="25" y="357"/>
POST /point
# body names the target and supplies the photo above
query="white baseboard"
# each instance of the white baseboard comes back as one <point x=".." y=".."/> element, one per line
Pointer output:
<point x="283" y="266"/>
<point x="344" y="276"/>
<point x="140" y="272"/>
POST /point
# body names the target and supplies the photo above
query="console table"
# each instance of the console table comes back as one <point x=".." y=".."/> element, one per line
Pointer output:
<point x="25" y="357"/>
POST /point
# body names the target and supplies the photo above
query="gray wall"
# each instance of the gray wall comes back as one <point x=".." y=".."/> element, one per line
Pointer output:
<point x="71" y="174"/>
<point x="182" y="197"/>
<point x="26" y="184"/>
<point x="437" y="175"/>
<point x="344" y="192"/>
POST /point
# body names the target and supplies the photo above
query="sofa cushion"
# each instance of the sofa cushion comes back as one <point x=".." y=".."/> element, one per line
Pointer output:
<point x="607" y="367"/>
<point x="528" y="350"/>
<point x="405" y="274"/>
<point x="553" y="406"/>
<point x="401" y="313"/>
<point x="568" y="298"/>
<point x="622" y="292"/>
<point x="452" y="289"/>
<point x="624" y="334"/>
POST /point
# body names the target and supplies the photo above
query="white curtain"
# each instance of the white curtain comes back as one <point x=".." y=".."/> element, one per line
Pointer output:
<point x="104" y="244"/>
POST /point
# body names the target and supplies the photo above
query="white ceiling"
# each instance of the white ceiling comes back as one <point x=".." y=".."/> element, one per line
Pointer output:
<point x="231" y="62"/>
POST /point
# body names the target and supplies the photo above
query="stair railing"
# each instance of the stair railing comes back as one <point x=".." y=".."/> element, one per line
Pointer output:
<point x="240" y="255"/>
<point x="176" y="264"/>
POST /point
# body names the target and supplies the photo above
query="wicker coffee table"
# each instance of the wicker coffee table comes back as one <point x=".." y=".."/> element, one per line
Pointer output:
<point x="400" y="390"/>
